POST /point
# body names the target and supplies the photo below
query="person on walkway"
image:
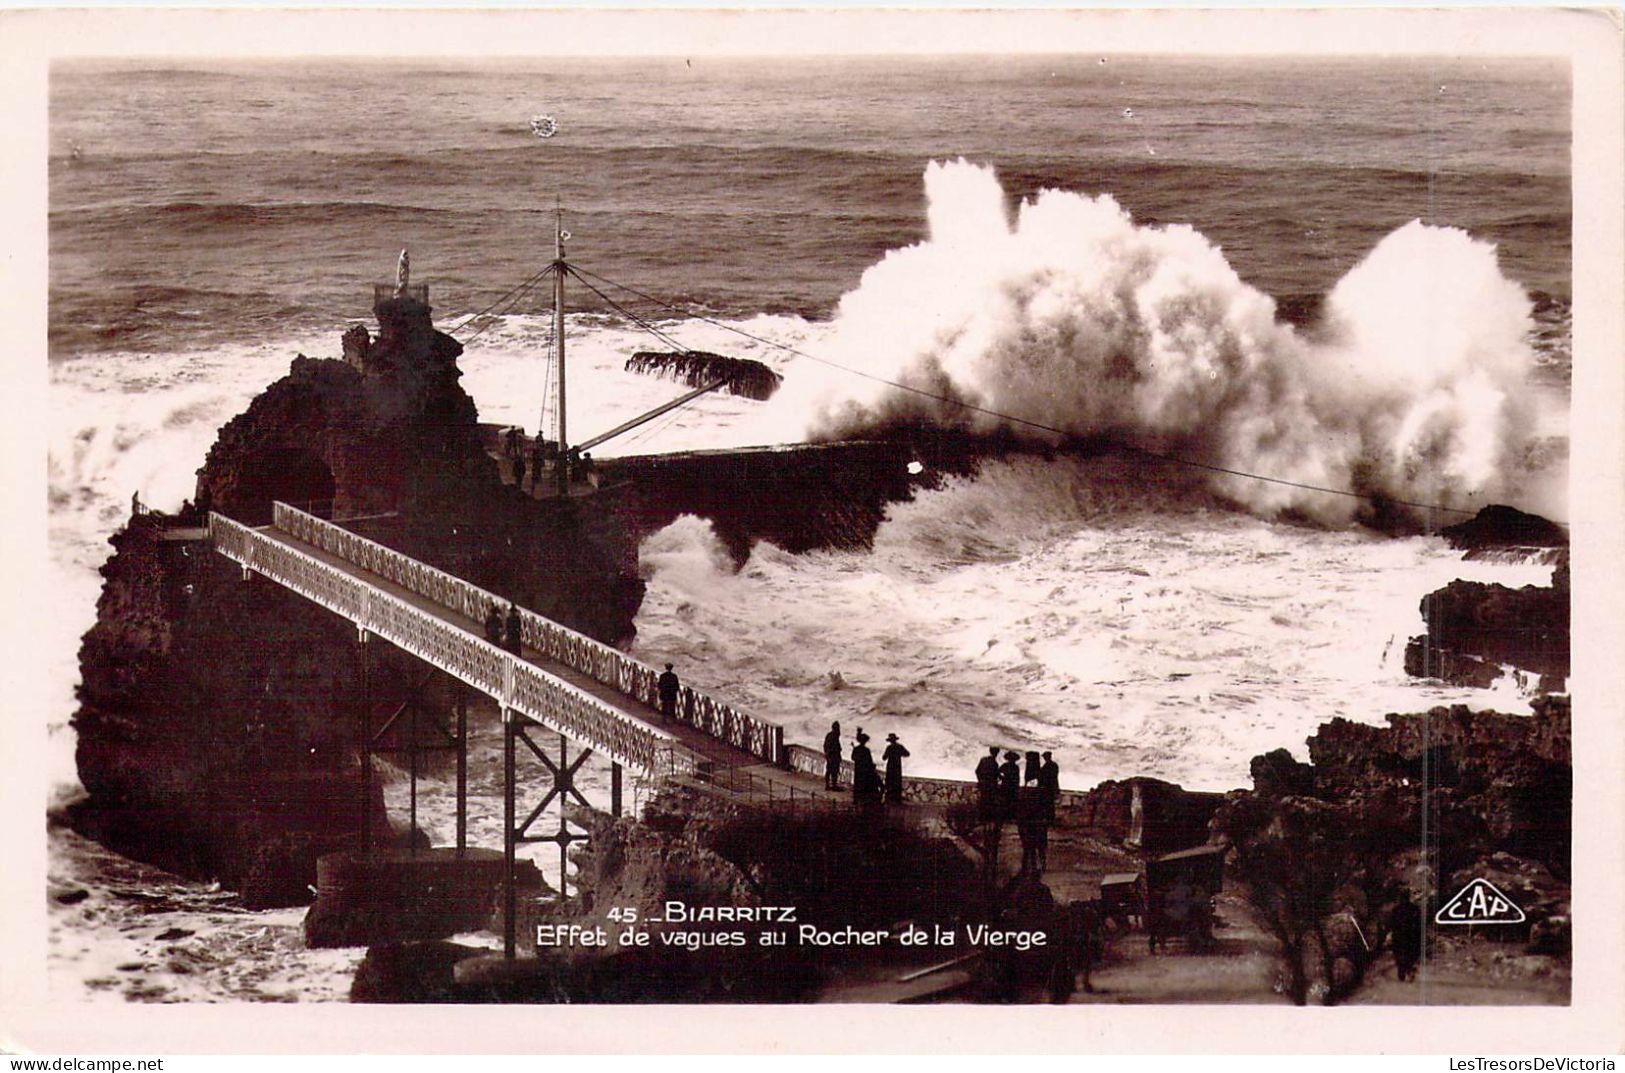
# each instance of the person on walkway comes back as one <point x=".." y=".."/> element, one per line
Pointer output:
<point x="893" y="756"/>
<point x="1029" y="774"/>
<point x="988" y="811"/>
<point x="987" y="785"/>
<point x="512" y="636"/>
<point x="519" y="469"/>
<point x="1405" y="933"/>
<point x="1009" y="784"/>
<point x="865" y="777"/>
<point x="493" y="625"/>
<point x="1049" y="785"/>
<point x="668" y="685"/>
<point x="832" y="757"/>
<point x="1030" y="827"/>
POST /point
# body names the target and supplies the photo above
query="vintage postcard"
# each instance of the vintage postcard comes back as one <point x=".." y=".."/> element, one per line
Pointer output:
<point x="1047" y="516"/>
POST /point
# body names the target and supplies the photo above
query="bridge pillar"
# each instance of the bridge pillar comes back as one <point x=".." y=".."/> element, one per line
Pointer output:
<point x="614" y="789"/>
<point x="460" y="702"/>
<point x="362" y="673"/>
<point x="515" y="729"/>
<point x="510" y="734"/>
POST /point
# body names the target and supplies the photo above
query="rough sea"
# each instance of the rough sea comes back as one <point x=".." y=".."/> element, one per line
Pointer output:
<point x="1341" y="273"/>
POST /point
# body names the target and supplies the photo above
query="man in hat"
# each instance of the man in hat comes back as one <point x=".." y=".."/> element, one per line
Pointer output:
<point x="894" y="769"/>
<point x="1049" y="786"/>
<point x="832" y="757"/>
<point x="987" y="785"/>
<point x="667" y="684"/>
<point x="513" y="635"/>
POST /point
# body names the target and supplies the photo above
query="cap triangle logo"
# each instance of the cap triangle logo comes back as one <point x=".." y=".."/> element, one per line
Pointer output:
<point x="1479" y="902"/>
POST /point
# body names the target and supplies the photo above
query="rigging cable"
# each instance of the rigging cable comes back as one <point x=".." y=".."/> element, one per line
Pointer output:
<point x="973" y="407"/>
<point x="512" y="298"/>
<point x="639" y="321"/>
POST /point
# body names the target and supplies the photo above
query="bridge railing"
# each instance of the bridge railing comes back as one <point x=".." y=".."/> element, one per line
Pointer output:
<point x="577" y="651"/>
<point x="512" y="681"/>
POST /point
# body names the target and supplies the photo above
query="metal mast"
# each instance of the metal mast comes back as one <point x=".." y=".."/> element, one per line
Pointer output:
<point x="558" y="333"/>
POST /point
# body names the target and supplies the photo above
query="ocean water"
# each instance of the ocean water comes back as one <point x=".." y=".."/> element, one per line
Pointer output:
<point x="1215" y="260"/>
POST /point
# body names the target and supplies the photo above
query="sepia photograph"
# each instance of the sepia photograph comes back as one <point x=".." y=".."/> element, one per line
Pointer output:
<point x="697" y="519"/>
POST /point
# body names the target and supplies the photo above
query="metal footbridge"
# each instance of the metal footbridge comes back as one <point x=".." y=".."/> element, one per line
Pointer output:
<point x="560" y="679"/>
<point x="586" y="692"/>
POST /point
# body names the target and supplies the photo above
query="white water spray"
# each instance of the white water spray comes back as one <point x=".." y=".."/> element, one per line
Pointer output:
<point x="1075" y="318"/>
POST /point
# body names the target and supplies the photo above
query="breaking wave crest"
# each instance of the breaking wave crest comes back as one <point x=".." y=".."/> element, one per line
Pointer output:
<point x="1410" y="387"/>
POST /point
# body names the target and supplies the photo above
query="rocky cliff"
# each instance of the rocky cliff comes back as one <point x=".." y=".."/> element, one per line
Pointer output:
<point x="218" y="719"/>
<point x="1388" y="824"/>
<point x="1487" y="782"/>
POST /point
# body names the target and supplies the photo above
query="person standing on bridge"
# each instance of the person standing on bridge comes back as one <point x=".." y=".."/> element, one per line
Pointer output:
<point x="493" y="625"/>
<point x="894" y="769"/>
<point x="832" y="757"/>
<point x="512" y="635"/>
<point x="668" y="686"/>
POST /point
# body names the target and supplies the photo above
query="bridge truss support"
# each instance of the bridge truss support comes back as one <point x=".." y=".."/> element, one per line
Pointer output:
<point x="517" y="729"/>
<point x="415" y="714"/>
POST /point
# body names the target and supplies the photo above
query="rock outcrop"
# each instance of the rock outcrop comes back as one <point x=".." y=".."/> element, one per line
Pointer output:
<point x="1487" y="782"/>
<point x="1505" y="527"/>
<point x="1475" y="630"/>
<point x="1386" y="824"/>
<point x="218" y="719"/>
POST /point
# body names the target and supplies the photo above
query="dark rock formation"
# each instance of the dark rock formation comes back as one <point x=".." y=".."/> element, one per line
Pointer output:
<point x="1167" y="817"/>
<point x="218" y="719"/>
<point x="1505" y="527"/>
<point x="398" y="896"/>
<point x="1473" y="628"/>
<point x="1488" y="782"/>
<point x="416" y="972"/>
<point x="1277" y="774"/>
<point x="1543" y="898"/>
<point x="1383" y="813"/>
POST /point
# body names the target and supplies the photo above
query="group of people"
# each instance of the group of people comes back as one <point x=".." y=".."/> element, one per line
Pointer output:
<point x="867" y="787"/>
<point x="1007" y="792"/>
<point x="504" y="632"/>
<point x="544" y="453"/>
